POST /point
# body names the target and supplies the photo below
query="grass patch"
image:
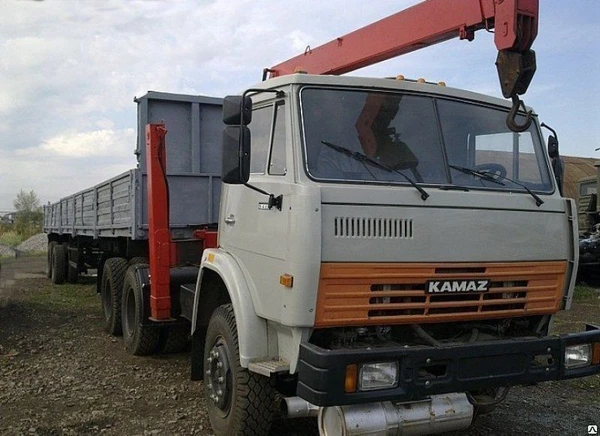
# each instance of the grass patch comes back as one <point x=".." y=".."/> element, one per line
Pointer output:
<point x="584" y="293"/>
<point x="11" y="238"/>
<point x="66" y="297"/>
<point x="7" y="260"/>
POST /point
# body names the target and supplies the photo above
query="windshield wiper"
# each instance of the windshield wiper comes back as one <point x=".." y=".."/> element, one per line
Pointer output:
<point x="491" y="177"/>
<point x="538" y="200"/>
<point x="366" y="159"/>
<point x="481" y="174"/>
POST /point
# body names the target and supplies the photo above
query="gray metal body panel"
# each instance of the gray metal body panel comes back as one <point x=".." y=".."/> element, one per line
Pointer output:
<point x="118" y="207"/>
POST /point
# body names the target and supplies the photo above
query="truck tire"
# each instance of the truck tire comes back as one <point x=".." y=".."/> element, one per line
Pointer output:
<point x="137" y="261"/>
<point x="111" y="290"/>
<point x="239" y="402"/>
<point x="59" y="267"/>
<point x="175" y="339"/>
<point x="140" y="340"/>
<point x="51" y="246"/>
<point x="72" y="272"/>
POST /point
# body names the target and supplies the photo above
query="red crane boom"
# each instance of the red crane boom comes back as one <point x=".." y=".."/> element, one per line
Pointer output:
<point x="428" y="23"/>
<point x="422" y="25"/>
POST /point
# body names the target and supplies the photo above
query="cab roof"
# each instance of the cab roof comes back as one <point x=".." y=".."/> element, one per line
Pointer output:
<point x="300" y="79"/>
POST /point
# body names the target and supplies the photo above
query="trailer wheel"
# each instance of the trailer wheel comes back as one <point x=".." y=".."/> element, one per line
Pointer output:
<point x="51" y="246"/>
<point x="140" y="340"/>
<point x="239" y="402"/>
<point x="59" y="268"/>
<point x="111" y="290"/>
<point x="175" y="339"/>
<point x="72" y="271"/>
<point x="72" y="274"/>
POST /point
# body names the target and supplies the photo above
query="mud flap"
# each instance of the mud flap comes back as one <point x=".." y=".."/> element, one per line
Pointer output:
<point x="198" y="353"/>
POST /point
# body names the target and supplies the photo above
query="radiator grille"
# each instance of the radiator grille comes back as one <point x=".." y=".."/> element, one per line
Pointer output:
<point x="363" y="227"/>
<point x="370" y="293"/>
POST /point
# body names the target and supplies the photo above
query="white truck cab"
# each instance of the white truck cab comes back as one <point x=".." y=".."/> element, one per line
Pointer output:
<point x="386" y="241"/>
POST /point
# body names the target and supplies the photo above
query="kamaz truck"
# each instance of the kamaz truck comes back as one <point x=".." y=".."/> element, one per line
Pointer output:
<point x="373" y="252"/>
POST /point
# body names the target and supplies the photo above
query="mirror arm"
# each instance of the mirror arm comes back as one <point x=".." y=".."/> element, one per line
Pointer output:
<point x="273" y="201"/>
<point x="551" y="129"/>
<point x="254" y="91"/>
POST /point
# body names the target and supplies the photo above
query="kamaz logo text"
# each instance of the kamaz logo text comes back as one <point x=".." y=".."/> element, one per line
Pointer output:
<point x="456" y="286"/>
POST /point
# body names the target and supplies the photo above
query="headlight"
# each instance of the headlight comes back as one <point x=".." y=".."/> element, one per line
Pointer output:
<point x="379" y="375"/>
<point x="578" y="356"/>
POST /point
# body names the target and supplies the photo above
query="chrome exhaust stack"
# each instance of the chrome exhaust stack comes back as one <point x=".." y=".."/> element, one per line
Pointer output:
<point x="440" y="413"/>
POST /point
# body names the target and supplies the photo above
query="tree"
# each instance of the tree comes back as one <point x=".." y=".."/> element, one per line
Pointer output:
<point x="29" y="216"/>
<point x="26" y="202"/>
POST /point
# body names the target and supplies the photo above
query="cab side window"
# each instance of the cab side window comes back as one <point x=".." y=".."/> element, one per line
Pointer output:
<point x="277" y="162"/>
<point x="260" y="135"/>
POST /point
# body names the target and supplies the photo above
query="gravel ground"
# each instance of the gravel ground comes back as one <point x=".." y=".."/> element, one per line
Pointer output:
<point x="35" y="244"/>
<point x="5" y="250"/>
<point x="60" y="374"/>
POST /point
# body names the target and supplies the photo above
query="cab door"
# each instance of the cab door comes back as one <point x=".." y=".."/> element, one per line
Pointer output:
<point x="251" y="231"/>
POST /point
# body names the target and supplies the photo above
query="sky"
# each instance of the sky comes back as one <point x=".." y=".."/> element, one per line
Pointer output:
<point x="69" y="71"/>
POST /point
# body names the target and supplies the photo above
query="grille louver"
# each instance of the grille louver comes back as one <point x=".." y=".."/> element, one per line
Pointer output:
<point x="362" y="227"/>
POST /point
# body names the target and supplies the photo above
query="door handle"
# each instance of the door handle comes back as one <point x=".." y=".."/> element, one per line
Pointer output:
<point x="230" y="219"/>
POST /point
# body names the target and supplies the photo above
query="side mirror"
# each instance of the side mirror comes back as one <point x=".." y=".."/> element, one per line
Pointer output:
<point x="236" y="155"/>
<point x="237" y="110"/>
<point x="552" y="146"/>
<point x="237" y="114"/>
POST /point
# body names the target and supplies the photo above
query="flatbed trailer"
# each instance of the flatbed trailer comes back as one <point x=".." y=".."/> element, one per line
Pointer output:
<point x="112" y="216"/>
<point x="106" y="227"/>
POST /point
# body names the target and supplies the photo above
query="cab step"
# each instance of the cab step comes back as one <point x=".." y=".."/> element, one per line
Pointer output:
<point x="269" y="367"/>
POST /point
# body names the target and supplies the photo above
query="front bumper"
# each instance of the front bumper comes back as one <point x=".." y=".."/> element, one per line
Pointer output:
<point x="425" y="371"/>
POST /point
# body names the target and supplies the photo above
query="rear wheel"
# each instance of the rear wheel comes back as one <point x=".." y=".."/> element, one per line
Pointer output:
<point x="139" y="339"/>
<point x="111" y="290"/>
<point x="51" y="246"/>
<point x="137" y="261"/>
<point x="59" y="267"/>
<point x="239" y="402"/>
<point x="72" y="271"/>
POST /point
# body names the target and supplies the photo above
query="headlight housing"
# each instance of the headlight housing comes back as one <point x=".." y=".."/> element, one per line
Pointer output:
<point x="380" y="375"/>
<point x="578" y="356"/>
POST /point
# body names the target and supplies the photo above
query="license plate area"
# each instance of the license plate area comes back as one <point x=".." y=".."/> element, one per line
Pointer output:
<point x="436" y="287"/>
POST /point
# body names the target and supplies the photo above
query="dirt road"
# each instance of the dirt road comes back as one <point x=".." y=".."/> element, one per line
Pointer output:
<point x="60" y="374"/>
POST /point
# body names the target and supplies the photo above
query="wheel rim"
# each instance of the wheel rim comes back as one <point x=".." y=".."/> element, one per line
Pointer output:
<point x="218" y="380"/>
<point x="129" y="319"/>
<point x="107" y="299"/>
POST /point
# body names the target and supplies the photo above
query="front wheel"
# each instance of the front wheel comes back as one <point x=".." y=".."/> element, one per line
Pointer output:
<point x="239" y="402"/>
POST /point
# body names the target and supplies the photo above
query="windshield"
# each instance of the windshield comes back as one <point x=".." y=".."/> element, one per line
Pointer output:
<point x="426" y="140"/>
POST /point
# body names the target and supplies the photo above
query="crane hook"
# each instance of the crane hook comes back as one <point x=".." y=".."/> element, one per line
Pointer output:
<point x="512" y="115"/>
